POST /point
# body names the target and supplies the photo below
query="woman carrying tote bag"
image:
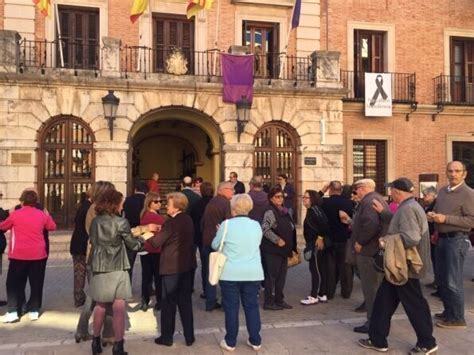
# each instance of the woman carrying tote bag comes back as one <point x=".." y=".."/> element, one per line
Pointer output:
<point x="242" y="272"/>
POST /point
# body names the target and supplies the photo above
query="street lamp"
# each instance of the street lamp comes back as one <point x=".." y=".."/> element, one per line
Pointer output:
<point x="243" y="111"/>
<point x="110" y="102"/>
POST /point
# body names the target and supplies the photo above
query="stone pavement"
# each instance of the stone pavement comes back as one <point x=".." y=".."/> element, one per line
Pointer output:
<point x="323" y="328"/>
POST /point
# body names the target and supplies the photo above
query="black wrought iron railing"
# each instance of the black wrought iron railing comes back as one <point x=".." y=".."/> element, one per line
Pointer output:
<point x="145" y="60"/>
<point x="453" y="90"/>
<point x="403" y="86"/>
<point x="59" y="54"/>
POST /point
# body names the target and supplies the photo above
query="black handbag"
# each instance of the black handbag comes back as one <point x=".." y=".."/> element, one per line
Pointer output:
<point x="378" y="261"/>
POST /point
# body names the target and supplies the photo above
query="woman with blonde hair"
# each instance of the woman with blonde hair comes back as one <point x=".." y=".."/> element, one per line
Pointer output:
<point x="150" y="259"/>
<point x="177" y="264"/>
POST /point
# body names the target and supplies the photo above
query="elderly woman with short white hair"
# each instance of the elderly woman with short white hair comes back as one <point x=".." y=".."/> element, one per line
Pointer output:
<point x="242" y="273"/>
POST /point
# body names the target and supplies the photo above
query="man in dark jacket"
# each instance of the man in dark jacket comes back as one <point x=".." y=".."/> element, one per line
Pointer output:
<point x="192" y="197"/>
<point x="367" y="228"/>
<point x="259" y="199"/>
<point x="288" y="193"/>
<point x="410" y="223"/>
<point x="217" y="210"/>
<point x="132" y="207"/>
<point x="239" y="187"/>
<point x="338" y="235"/>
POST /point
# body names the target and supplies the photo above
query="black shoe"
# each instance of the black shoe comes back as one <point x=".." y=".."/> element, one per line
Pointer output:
<point x="190" y="342"/>
<point x="272" y="307"/>
<point x="161" y="341"/>
<point x="284" y="305"/>
<point x="441" y="316"/>
<point x="420" y="350"/>
<point x="367" y="343"/>
<point x="361" y="309"/>
<point x="216" y="305"/>
<point x="82" y="337"/>
<point x="96" y="346"/>
<point x="144" y="305"/>
<point x="118" y="348"/>
<point x="3" y="303"/>
<point x="436" y="294"/>
<point x="203" y="296"/>
<point x="362" y="329"/>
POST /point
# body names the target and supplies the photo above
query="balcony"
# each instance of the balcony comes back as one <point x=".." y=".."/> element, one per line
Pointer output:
<point x="143" y="61"/>
<point x="403" y="86"/>
<point x="454" y="90"/>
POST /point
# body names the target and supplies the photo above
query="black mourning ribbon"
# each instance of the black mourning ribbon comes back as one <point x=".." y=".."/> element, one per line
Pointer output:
<point x="379" y="91"/>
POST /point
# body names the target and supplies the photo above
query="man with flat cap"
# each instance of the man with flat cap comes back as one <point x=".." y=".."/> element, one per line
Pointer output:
<point x="408" y="234"/>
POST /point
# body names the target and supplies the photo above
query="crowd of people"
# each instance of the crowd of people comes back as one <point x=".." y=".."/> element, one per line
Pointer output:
<point x="352" y="231"/>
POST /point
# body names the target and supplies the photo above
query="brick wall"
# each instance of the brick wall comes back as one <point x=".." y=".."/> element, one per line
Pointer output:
<point x="419" y="27"/>
<point x="119" y="22"/>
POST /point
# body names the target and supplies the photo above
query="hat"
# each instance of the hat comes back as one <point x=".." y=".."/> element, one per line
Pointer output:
<point x="402" y="184"/>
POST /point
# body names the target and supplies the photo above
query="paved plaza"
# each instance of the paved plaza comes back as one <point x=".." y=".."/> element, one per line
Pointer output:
<point x="318" y="329"/>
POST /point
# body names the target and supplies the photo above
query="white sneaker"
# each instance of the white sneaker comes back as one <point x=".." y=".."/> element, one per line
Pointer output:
<point x="254" y="347"/>
<point x="323" y="298"/>
<point x="34" y="315"/>
<point x="308" y="301"/>
<point x="226" y="347"/>
<point x="10" y="317"/>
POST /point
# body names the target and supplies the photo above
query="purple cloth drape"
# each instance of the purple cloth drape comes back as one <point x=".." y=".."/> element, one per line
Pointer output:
<point x="237" y="73"/>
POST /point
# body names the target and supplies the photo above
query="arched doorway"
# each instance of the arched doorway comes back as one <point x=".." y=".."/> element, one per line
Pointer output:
<point x="175" y="142"/>
<point x="66" y="164"/>
<point x="275" y="153"/>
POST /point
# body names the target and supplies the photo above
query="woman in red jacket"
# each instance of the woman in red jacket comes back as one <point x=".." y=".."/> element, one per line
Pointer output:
<point x="150" y="259"/>
<point x="27" y="254"/>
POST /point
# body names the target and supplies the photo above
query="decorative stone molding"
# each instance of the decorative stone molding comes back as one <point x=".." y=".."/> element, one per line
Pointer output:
<point x="111" y="56"/>
<point x="326" y="69"/>
<point x="9" y="51"/>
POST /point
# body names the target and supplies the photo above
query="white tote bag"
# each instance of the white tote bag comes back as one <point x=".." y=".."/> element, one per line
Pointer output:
<point x="217" y="260"/>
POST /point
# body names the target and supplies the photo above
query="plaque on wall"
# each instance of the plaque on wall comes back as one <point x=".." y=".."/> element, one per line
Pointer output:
<point x="20" y="158"/>
<point x="310" y="161"/>
<point x="427" y="180"/>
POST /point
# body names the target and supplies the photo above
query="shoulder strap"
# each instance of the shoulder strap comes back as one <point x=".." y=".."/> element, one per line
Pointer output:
<point x="223" y="237"/>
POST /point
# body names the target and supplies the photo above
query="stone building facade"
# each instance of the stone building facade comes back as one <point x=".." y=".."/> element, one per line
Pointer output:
<point x="53" y="134"/>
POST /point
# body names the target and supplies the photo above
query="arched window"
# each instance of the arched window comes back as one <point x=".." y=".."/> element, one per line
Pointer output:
<point x="275" y="152"/>
<point x="66" y="167"/>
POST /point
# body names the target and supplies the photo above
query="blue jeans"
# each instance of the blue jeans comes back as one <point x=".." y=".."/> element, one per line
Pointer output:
<point x="210" y="291"/>
<point x="450" y="255"/>
<point x="232" y="293"/>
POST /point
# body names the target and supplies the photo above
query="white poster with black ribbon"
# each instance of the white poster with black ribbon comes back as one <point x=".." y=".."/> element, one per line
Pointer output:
<point x="378" y="94"/>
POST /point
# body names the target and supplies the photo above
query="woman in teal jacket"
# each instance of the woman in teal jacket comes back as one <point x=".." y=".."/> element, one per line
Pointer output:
<point x="242" y="273"/>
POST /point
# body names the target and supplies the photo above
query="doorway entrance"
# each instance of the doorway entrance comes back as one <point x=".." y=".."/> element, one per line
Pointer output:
<point x="175" y="142"/>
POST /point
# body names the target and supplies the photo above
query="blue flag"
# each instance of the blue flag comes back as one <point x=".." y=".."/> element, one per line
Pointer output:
<point x="295" y="19"/>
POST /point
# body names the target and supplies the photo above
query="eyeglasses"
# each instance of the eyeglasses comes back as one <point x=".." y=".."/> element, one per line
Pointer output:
<point x="354" y="192"/>
<point x="306" y="197"/>
<point x="278" y="196"/>
<point x="156" y="201"/>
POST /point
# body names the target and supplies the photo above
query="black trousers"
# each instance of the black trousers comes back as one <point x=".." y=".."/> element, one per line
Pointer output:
<point x="151" y="273"/>
<point x="333" y="268"/>
<point x="19" y="272"/>
<point x="415" y="305"/>
<point x="315" y="276"/>
<point x="176" y="293"/>
<point x="132" y="255"/>
<point x="276" y="267"/>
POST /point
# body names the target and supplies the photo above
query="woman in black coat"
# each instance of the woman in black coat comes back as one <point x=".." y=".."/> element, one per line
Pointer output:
<point x="78" y="250"/>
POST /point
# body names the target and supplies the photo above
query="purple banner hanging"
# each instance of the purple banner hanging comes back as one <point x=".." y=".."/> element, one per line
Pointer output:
<point x="237" y="73"/>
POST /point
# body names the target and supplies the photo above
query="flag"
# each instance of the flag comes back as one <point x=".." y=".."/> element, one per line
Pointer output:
<point x="138" y="8"/>
<point x="43" y="6"/>
<point x="295" y="19"/>
<point x="237" y="77"/>
<point x="194" y="6"/>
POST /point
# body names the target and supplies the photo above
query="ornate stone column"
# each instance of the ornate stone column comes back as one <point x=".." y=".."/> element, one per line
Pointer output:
<point x="326" y="69"/>
<point x="9" y="51"/>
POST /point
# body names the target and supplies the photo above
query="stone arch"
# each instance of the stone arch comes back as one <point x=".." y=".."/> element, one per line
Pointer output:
<point x="197" y="118"/>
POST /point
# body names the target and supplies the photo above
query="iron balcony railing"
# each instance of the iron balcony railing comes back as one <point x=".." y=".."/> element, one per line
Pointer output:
<point x="145" y="60"/>
<point x="403" y="86"/>
<point x="59" y="54"/>
<point x="454" y="90"/>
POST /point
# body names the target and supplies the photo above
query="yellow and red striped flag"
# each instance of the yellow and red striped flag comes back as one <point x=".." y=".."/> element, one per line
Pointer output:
<point x="43" y="6"/>
<point x="194" y="6"/>
<point x="138" y="8"/>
